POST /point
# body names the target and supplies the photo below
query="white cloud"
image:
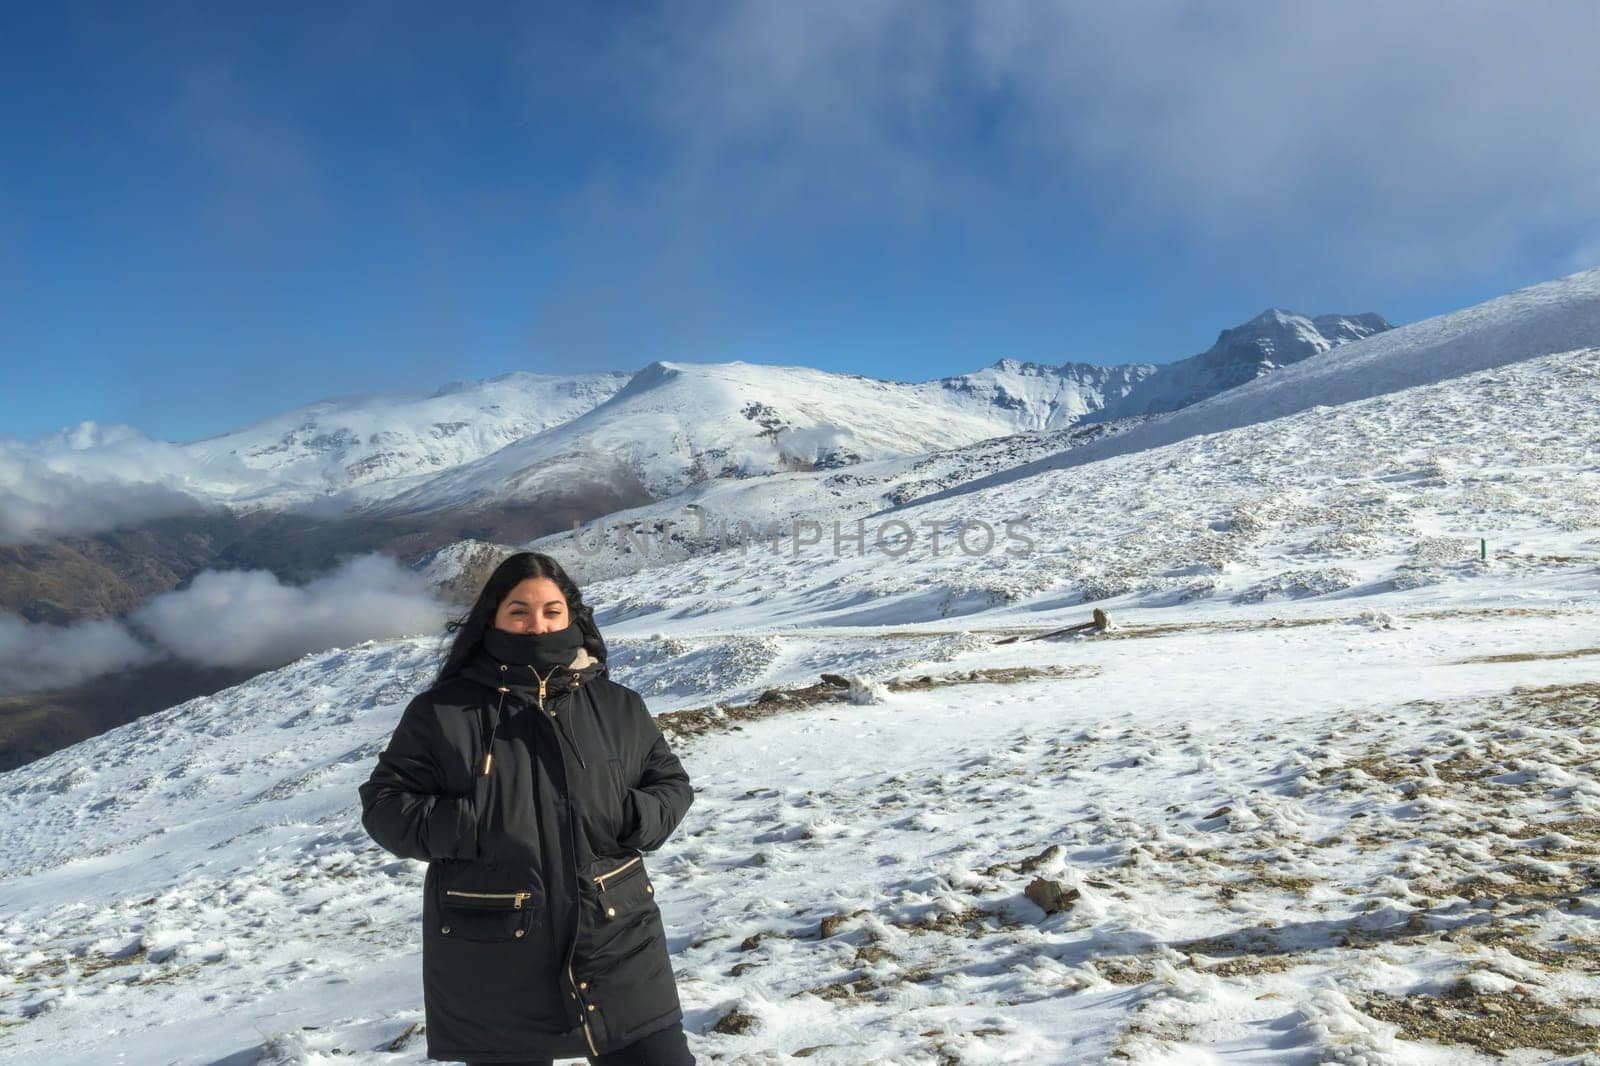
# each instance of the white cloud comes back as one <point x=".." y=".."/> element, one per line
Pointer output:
<point x="89" y="478"/>
<point x="1400" y="138"/>
<point x="46" y="656"/>
<point x="249" y="618"/>
<point x="1400" y="121"/>
<point x="238" y="618"/>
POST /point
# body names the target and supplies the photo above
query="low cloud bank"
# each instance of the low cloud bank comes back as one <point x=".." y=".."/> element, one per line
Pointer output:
<point x="36" y="657"/>
<point x="91" y="478"/>
<point x="234" y="618"/>
<point x="247" y="618"/>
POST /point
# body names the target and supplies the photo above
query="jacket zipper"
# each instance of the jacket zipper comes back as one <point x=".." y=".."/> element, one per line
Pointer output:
<point x="554" y="715"/>
<point x="542" y="681"/>
<point x="515" y="897"/>
<point x="600" y="879"/>
<point x="587" y="1035"/>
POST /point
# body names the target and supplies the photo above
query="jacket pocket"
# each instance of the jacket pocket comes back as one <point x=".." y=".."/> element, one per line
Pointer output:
<point x="492" y="910"/>
<point x="622" y="889"/>
<point x="622" y="936"/>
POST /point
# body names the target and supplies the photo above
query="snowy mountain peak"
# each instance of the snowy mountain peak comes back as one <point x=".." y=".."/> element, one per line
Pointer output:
<point x="1041" y="396"/>
<point x="676" y="425"/>
<point x="1280" y="332"/>
<point x="1028" y="368"/>
<point x="1275" y="338"/>
<point x="1272" y="316"/>
<point x="649" y="376"/>
<point x="661" y="368"/>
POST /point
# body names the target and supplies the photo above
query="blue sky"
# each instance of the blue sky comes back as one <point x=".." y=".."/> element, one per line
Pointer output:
<point x="211" y="212"/>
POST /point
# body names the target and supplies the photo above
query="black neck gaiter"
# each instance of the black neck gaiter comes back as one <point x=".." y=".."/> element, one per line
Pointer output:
<point x="542" y="651"/>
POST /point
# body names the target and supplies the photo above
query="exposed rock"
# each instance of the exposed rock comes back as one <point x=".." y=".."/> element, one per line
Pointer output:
<point x="734" y="1023"/>
<point x="1051" y="896"/>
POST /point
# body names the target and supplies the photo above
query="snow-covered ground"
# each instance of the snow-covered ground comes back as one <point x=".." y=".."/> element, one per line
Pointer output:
<point x="1281" y="825"/>
<point x="1326" y="791"/>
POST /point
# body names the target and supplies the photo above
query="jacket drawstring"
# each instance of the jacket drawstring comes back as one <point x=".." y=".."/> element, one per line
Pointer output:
<point x="570" y="742"/>
<point x="488" y="744"/>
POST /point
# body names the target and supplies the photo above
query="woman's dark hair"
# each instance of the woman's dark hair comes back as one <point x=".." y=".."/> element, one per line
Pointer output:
<point x="511" y="572"/>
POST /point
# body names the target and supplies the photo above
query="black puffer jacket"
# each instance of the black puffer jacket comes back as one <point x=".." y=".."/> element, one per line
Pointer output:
<point x="541" y="936"/>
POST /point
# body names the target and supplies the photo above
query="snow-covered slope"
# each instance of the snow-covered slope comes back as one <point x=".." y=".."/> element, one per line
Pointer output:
<point x="1322" y="734"/>
<point x="1555" y="316"/>
<point x="381" y="441"/>
<point x="1388" y="492"/>
<point x="713" y="514"/>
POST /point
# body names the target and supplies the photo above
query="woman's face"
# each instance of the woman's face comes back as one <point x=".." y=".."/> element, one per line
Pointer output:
<point x="533" y="606"/>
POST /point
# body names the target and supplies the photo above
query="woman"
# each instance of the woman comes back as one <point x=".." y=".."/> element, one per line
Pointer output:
<point x="532" y="784"/>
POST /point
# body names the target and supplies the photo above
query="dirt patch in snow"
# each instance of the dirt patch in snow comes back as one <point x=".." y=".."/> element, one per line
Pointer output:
<point x="835" y="688"/>
<point x="1491" y="1022"/>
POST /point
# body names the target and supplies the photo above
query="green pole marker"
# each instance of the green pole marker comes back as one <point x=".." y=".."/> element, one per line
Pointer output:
<point x="1483" y="548"/>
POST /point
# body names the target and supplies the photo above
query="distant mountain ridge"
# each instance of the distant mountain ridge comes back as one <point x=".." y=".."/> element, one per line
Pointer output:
<point x="614" y="436"/>
<point x="673" y="425"/>
<point x="1045" y="396"/>
<point x="1272" y="340"/>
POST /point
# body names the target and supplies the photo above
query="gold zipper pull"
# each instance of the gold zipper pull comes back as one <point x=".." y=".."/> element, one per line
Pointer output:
<point x="600" y="879"/>
<point x="516" y="897"/>
<point x="488" y="751"/>
<point x="542" y="681"/>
